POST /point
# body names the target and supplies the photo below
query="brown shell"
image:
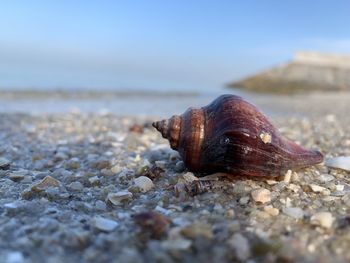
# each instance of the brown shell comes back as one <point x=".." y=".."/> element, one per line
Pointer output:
<point x="232" y="136"/>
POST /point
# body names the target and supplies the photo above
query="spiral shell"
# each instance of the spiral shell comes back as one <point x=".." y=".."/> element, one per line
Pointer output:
<point x="231" y="135"/>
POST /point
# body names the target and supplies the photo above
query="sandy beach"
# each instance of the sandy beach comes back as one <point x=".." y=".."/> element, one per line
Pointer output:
<point x="71" y="191"/>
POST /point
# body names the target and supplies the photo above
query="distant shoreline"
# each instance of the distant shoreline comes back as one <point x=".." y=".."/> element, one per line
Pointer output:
<point x="19" y="94"/>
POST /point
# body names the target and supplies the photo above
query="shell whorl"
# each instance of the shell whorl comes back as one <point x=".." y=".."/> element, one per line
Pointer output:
<point x="170" y="129"/>
<point x="185" y="134"/>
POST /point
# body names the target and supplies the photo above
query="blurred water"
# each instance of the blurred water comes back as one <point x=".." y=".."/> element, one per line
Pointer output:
<point x="158" y="104"/>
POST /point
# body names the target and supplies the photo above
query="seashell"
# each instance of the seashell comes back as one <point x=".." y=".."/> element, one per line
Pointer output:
<point x="232" y="136"/>
<point x="341" y="162"/>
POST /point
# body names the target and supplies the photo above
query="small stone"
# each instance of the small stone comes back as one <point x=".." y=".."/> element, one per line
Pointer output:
<point x="176" y="244"/>
<point x="153" y="223"/>
<point x="324" y="219"/>
<point x="119" y="197"/>
<point x="15" y="257"/>
<point x="73" y="164"/>
<point x="325" y="178"/>
<point x="266" y="137"/>
<point x="244" y="200"/>
<point x="295" y="177"/>
<point x="144" y="183"/>
<point x="294" y="212"/>
<point x="240" y="245"/>
<point x="100" y="205"/>
<point x="76" y="186"/>
<point x="287" y="176"/>
<point x="179" y="166"/>
<point x="230" y="213"/>
<point x="271" y="182"/>
<point x="4" y="164"/>
<point x="316" y="188"/>
<point x="46" y="183"/>
<point x="197" y="230"/>
<point x="94" y="180"/>
<point x="271" y="210"/>
<point x="16" y="177"/>
<point x="261" y="195"/>
<point x="340" y="187"/>
<point x="104" y="224"/>
<point x="116" y="169"/>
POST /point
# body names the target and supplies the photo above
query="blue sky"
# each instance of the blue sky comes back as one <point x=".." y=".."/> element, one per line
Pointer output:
<point x="159" y="44"/>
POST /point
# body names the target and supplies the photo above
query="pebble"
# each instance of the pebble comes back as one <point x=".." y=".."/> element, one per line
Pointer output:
<point x="244" y="200"/>
<point x="4" y="164"/>
<point x="179" y="166"/>
<point x="316" y="188"/>
<point x="261" y="195"/>
<point x="240" y="245"/>
<point x="324" y="219"/>
<point x="341" y="162"/>
<point x="287" y="176"/>
<point x="14" y="257"/>
<point x="100" y="205"/>
<point x="271" y="210"/>
<point x="76" y="186"/>
<point x="46" y="183"/>
<point x="295" y="212"/>
<point x="119" y="197"/>
<point x="197" y="230"/>
<point x="143" y="183"/>
<point x="104" y="224"/>
<point x="325" y="178"/>
<point x="176" y="244"/>
<point x="16" y="176"/>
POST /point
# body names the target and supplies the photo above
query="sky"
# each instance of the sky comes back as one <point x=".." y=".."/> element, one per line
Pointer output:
<point x="159" y="45"/>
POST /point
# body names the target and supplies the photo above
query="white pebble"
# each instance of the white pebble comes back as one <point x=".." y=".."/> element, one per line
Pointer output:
<point x="261" y="195"/>
<point x="316" y="188"/>
<point x="144" y="183"/>
<point x="287" y="176"/>
<point x="119" y="197"/>
<point x="15" y="257"/>
<point x="77" y="186"/>
<point x="341" y="162"/>
<point x="324" y="219"/>
<point x="241" y="246"/>
<point x="271" y="210"/>
<point x="295" y="212"/>
<point x="104" y="224"/>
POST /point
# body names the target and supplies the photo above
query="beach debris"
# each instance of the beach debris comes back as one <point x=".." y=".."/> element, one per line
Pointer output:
<point x="104" y="224"/>
<point x="153" y="172"/>
<point x="4" y="164"/>
<point x="213" y="138"/>
<point x="324" y="219"/>
<point x="136" y="128"/>
<point x="341" y="162"/>
<point x="143" y="183"/>
<point x="197" y="187"/>
<point x="261" y="195"/>
<point x="119" y="197"/>
<point x="155" y="224"/>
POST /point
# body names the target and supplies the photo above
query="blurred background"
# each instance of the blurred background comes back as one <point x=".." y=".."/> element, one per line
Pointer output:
<point x="159" y="57"/>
